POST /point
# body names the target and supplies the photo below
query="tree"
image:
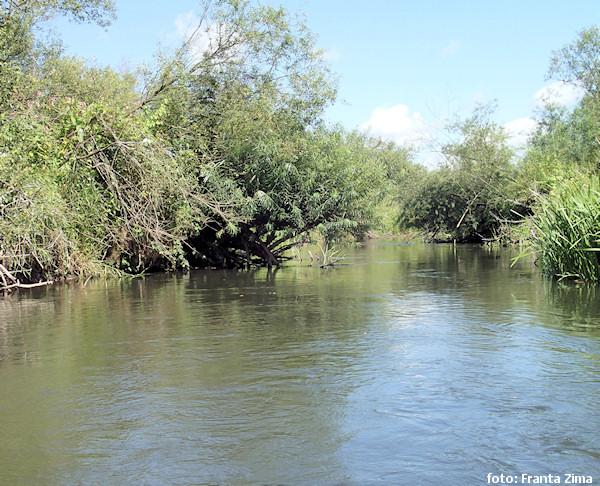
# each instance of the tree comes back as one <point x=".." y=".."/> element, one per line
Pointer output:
<point x="468" y="198"/>
<point x="578" y="63"/>
<point x="100" y="12"/>
<point x="566" y="140"/>
<point x="244" y="98"/>
<point x="560" y="168"/>
<point x="84" y="181"/>
<point x="393" y="179"/>
<point x="222" y="158"/>
<point x="19" y="54"/>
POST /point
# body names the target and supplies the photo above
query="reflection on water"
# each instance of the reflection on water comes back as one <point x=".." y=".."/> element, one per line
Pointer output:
<point x="406" y="365"/>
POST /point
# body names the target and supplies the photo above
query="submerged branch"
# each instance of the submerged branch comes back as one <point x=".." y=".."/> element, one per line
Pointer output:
<point x="5" y="273"/>
<point x="19" y="285"/>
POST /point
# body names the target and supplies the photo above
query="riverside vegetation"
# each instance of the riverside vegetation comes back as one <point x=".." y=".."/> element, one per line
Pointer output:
<point x="220" y="156"/>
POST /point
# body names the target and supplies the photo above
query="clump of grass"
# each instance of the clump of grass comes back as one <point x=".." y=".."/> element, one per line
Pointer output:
<point x="566" y="231"/>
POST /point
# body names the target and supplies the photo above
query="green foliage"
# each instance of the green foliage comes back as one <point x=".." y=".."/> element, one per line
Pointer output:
<point x="100" y="12"/>
<point x="564" y="144"/>
<point x="99" y="185"/>
<point x="21" y="55"/>
<point x="394" y="177"/>
<point x="558" y="175"/>
<point x="222" y="160"/>
<point x="285" y="186"/>
<point x="70" y="77"/>
<point x="468" y="199"/>
<point x="246" y="109"/>
<point x="432" y="207"/>
<point x="566" y="231"/>
<point x="33" y="216"/>
<point x="16" y="44"/>
<point x="222" y="157"/>
<point x="550" y="155"/>
<point x="579" y="62"/>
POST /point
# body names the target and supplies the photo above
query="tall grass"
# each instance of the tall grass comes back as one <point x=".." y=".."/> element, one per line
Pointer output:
<point x="566" y="231"/>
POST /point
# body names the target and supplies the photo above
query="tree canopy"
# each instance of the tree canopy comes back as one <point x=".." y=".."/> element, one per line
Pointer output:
<point x="100" y="12"/>
<point x="578" y="63"/>
<point x="221" y="156"/>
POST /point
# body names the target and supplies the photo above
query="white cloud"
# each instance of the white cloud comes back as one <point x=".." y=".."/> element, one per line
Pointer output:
<point x="186" y="24"/>
<point x="331" y="54"/>
<point x="519" y="131"/>
<point x="398" y="124"/>
<point x="560" y="93"/>
<point x="452" y="48"/>
<point x="202" y="37"/>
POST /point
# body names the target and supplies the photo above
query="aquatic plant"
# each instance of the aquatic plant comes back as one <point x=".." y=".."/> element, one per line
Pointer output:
<point x="566" y="230"/>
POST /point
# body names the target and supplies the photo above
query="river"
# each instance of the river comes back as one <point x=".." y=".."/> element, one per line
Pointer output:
<point x="403" y="365"/>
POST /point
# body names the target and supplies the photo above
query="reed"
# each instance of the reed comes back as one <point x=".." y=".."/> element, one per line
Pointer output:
<point x="566" y="231"/>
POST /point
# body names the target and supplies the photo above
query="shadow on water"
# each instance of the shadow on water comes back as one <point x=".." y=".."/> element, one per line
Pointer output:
<point x="576" y="306"/>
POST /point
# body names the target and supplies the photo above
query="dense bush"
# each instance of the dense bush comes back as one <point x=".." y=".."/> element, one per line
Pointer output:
<point x="468" y="198"/>
<point x="221" y="158"/>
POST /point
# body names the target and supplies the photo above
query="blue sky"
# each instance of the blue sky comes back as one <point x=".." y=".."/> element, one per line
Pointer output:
<point x="403" y="65"/>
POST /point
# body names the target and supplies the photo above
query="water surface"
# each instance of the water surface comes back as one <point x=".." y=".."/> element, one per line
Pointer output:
<point x="405" y="365"/>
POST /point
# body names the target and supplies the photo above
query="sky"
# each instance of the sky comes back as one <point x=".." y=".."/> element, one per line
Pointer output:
<point x="405" y="67"/>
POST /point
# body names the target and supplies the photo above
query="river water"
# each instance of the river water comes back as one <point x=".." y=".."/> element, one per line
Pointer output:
<point x="405" y="365"/>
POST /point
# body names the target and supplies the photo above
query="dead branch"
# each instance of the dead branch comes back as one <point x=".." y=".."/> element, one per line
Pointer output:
<point x="20" y="285"/>
<point x="5" y="272"/>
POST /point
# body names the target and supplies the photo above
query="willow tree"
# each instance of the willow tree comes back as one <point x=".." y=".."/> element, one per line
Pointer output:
<point x="18" y="18"/>
<point x="221" y="159"/>
<point x="100" y="12"/>
<point x="578" y="63"/>
<point x="569" y="137"/>
<point x="468" y="198"/>
<point x="84" y="184"/>
<point x="244" y="99"/>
